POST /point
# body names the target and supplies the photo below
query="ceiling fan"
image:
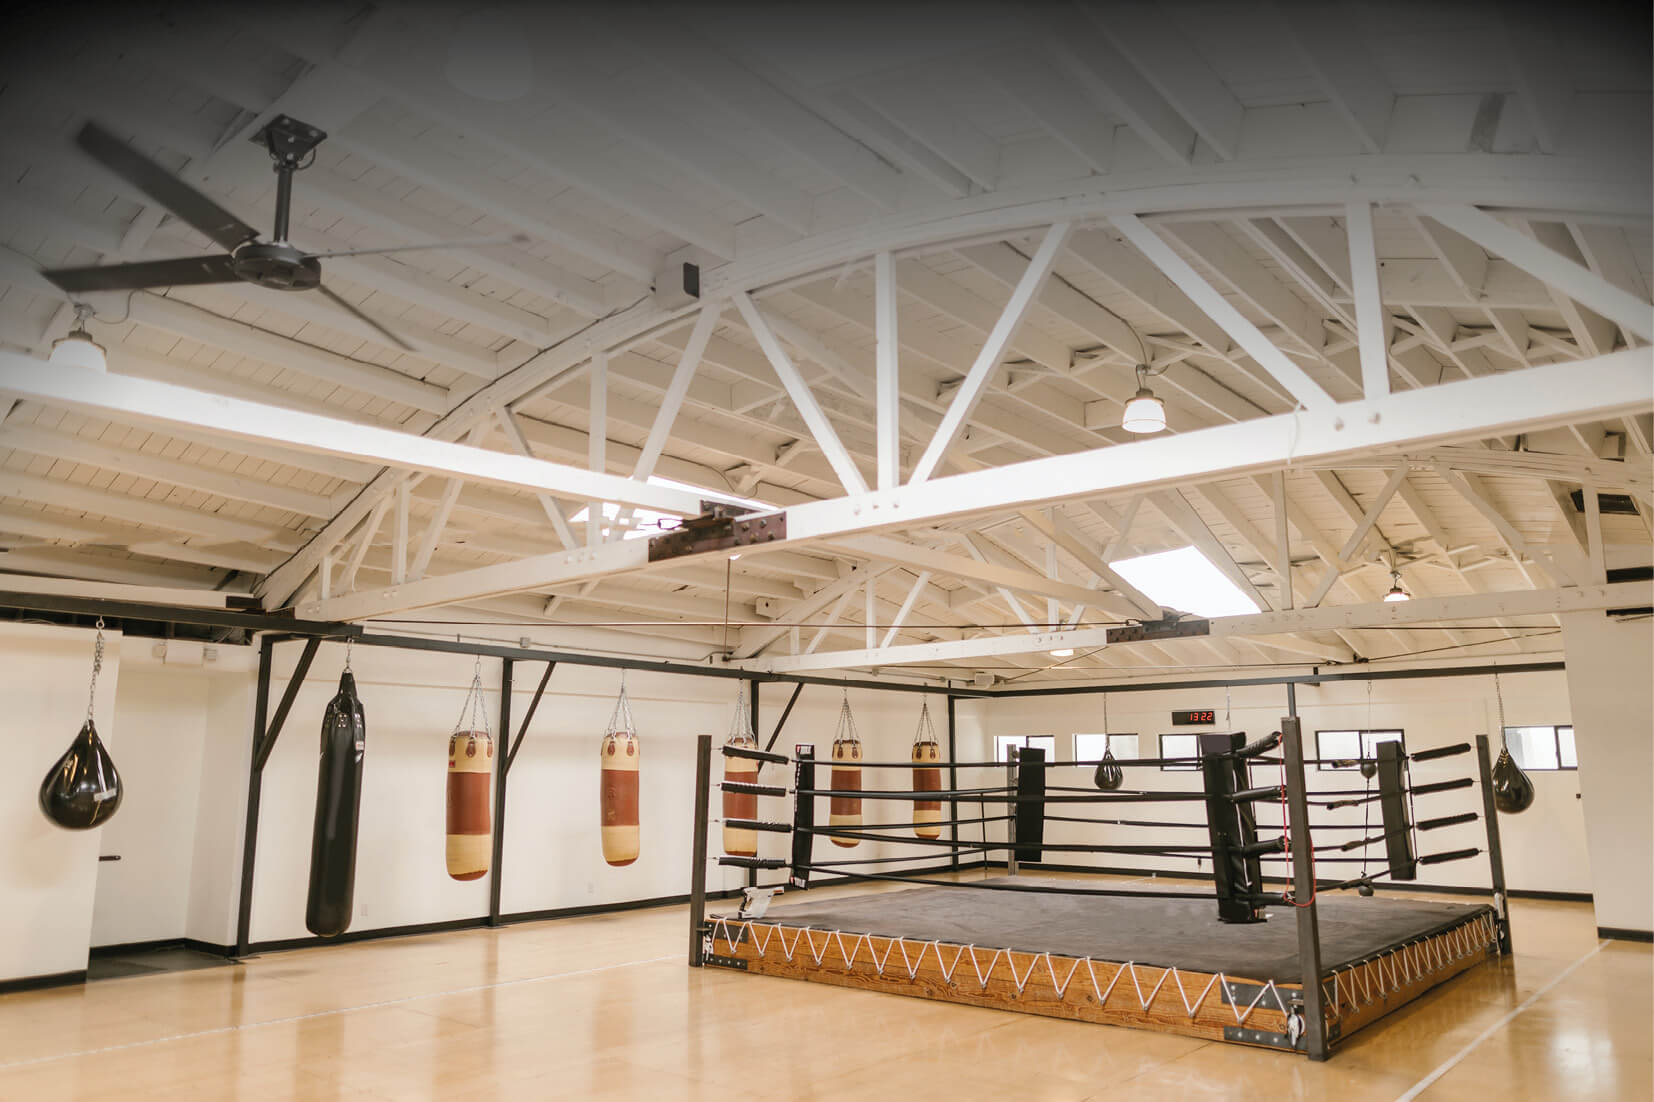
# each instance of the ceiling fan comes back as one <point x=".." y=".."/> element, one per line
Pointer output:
<point x="273" y="263"/>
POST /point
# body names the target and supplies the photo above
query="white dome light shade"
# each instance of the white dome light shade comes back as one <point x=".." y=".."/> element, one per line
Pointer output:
<point x="1144" y="413"/>
<point x="1396" y="592"/>
<point x="78" y="349"/>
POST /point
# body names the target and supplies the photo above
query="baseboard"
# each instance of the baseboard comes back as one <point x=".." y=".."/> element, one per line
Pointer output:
<point x="1615" y="933"/>
<point x="36" y="983"/>
<point x="1184" y="874"/>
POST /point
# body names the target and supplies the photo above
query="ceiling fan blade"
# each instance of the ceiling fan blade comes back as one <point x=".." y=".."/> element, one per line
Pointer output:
<point x="346" y="306"/>
<point x="165" y="188"/>
<point x="146" y="273"/>
<point x="474" y="243"/>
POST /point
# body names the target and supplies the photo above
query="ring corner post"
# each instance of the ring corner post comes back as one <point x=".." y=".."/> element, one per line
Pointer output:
<point x="953" y="783"/>
<point x="697" y="871"/>
<point x="1495" y="854"/>
<point x="1303" y="888"/>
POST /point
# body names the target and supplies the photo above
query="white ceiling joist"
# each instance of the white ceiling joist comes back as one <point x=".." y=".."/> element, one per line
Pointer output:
<point x="1550" y="395"/>
<point x="170" y="405"/>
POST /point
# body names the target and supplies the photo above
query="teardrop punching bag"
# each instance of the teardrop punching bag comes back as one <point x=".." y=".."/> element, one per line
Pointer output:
<point x="739" y="842"/>
<point x="1109" y="775"/>
<point x="927" y="777"/>
<point x="844" y="812"/>
<point x="83" y="790"/>
<point x="618" y="785"/>
<point x="1512" y="790"/>
<point x="328" y="908"/>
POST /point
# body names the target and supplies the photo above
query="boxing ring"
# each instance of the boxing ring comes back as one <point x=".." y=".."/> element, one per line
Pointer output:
<point x="1238" y="960"/>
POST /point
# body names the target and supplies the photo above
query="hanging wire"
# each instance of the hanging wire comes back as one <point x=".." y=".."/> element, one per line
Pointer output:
<point x="97" y="668"/>
<point x="1499" y="696"/>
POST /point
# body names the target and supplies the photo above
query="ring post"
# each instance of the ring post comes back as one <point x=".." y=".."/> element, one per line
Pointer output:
<point x="804" y="815"/>
<point x="1303" y="888"/>
<point x="953" y="785"/>
<point x="1495" y="855"/>
<point x="1011" y="754"/>
<point x="697" y="872"/>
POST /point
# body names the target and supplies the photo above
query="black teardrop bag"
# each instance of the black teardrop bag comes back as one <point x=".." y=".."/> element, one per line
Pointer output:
<point x="1109" y="775"/>
<point x="83" y="789"/>
<point x="1512" y="790"/>
<point x="338" y="805"/>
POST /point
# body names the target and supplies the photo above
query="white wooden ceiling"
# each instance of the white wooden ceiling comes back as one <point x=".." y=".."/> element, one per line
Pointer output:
<point x="796" y="140"/>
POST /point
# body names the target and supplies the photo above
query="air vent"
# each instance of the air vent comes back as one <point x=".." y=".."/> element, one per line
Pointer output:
<point x="1617" y="504"/>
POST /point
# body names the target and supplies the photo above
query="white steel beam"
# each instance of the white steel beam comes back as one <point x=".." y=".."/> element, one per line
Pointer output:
<point x="1062" y="534"/>
<point x="553" y="510"/>
<point x="754" y="640"/>
<point x="1260" y="348"/>
<point x="1372" y="327"/>
<point x="1184" y="517"/>
<point x="888" y="387"/>
<point x="1111" y="80"/>
<point x="826" y="437"/>
<point x="1145" y="33"/>
<point x="115" y="591"/>
<point x="1470" y="487"/>
<point x="911" y="653"/>
<point x="913" y="594"/>
<point x="1578" y="282"/>
<point x="162" y="404"/>
<point x="976" y="379"/>
<point x="1608" y="386"/>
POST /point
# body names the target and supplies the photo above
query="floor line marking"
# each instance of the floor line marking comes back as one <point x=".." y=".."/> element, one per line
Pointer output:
<point x="1453" y="1061"/>
<point x="335" y="1010"/>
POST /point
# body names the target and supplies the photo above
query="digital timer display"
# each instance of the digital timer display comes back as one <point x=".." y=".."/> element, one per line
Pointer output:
<point x="1192" y="719"/>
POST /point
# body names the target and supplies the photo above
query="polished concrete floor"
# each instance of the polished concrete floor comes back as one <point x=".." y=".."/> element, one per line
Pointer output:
<point x="604" y="1007"/>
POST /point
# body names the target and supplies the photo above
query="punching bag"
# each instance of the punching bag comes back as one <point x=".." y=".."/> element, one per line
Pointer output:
<point x="1109" y="775"/>
<point x="338" y="805"/>
<point x="740" y="842"/>
<point x="1512" y="790"/>
<point x="617" y="785"/>
<point x="470" y="812"/>
<point x="927" y="777"/>
<point x="83" y="790"/>
<point x="844" y="812"/>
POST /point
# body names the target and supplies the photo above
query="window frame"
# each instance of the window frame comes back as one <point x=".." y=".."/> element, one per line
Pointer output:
<point x="1362" y="749"/>
<point x="1164" y="754"/>
<point x="1108" y="738"/>
<point x="1556" y="740"/>
<point x="1008" y="740"/>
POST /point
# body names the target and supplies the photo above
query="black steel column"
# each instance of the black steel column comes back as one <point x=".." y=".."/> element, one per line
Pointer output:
<point x="697" y="872"/>
<point x="1495" y="854"/>
<point x="502" y="748"/>
<point x="752" y="874"/>
<point x="953" y="784"/>
<point x="1303" y="884"/>
<point x="1012" y="753"/>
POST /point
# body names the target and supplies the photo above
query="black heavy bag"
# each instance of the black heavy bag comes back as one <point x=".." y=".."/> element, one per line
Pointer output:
<point x="83" y="789"/>
<point x="338" y="803"/>
<point x="1109" y="775"/>
<point x="1512" y="790"/>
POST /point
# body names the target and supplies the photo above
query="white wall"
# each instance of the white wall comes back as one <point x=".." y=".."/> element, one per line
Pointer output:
<point x="220" y="809"/>
<point x="1611" y="679"/>
<point x="1544" y="847"/>
<point x="48" y="875"/>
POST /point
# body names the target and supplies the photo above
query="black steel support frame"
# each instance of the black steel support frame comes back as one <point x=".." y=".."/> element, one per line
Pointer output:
<point x="1495" y="853"/>
<point x="504" y="756"/>
<point x="1303" y="882"/>
<point x="697" y="871"/>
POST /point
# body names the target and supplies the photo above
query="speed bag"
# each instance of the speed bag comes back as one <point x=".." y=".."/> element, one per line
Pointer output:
<point x="844" y="812"/>
<point x="617" y="796"/>
<point x="82" y="790"/>
<point x="927" y="777"/>
<point x="740" y="841"/>
<point x="327" y="910"/>
<point x="470" y="815"/>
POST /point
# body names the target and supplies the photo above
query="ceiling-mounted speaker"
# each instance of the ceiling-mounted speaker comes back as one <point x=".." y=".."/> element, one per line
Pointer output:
<point x="677" y="285"/>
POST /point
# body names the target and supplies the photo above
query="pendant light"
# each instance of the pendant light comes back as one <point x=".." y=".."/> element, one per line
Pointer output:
<point x="78" y="349"/>
<point x="1396" y="593"/>
<point x="1145" y="413"/>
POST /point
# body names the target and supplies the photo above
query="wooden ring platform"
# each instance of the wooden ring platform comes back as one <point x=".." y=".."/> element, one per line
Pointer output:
<point x="1247" y="999"/>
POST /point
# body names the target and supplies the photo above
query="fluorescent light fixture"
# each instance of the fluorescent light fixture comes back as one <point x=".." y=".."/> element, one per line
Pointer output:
<point x="1063" y="652"/>
<point x="647" y="522"/>
<point x="1186" y="580"/>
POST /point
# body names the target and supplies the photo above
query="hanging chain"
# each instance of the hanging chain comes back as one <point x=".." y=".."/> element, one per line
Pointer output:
<point x="348" y="644"/>
<point x="1498" y="694"/>
<point x="1105" y="723"/>
<point x="927" y="731"/>
<point x="621" y="718"/>
<point x="846" y="723"/>
<point x="1226" y="721"/>
<point x="97" y="668"/>
<point x="473" y="706"/>
<point x="740" y="728"/>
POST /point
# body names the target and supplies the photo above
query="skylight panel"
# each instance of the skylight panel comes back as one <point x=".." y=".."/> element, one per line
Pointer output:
<point x="1186" y="580"/>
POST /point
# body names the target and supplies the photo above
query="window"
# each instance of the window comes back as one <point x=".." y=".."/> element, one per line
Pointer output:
<point x="1091" y="747"/>
<point x="1179" y="746"/>
<point x="1002" y="743"/>
<point x="1348" y="745"/>
<point x="1542" y="748"/>
<point x="1187" y="580"/>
